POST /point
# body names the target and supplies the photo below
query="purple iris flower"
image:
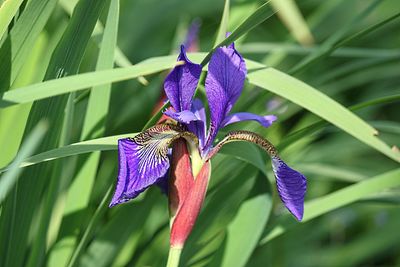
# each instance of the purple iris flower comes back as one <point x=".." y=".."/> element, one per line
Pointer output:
<point x="143" y="159"/>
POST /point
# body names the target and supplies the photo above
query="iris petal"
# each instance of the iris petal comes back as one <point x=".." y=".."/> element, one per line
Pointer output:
<point x="143" y="160"/>
<point x="291" y="186"/>
<point x="184" y="117"/>
<point x="224" y="84"/>
<point x="265" y="121"/>
<point x="199" y="127"/>
<point x="181" y="83"/>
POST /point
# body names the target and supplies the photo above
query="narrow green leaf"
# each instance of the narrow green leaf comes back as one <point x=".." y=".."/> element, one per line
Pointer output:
<point x="291" y="138"/>
<point x="100" y="144"/>
<point x="81" y="81"/>
<point x="223" y="26"/>
<point x="21" y="38"/>
<point x="291" y="16"/>
<point x="245" y="230"/>
<point x="7" y="11"/>
<point x="347" y="52"/>
<point x="335" y="200"/>
<point x="332" y="44"/>
<point x="321" y="105"/>
<point x="8" y="180"/>
<point x="89" y="230"/>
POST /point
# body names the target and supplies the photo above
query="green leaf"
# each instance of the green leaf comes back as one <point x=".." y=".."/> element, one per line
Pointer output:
<point x="8" y="180"/>
<point x="335" y="200"/>
<point x="100" y="144"/>
<point x="291" y="16"/>
<point x="7" y="11"/>
<point x="321" y="105"/>
<point x="245" y="230"/>
<point x="21" y="38"/>
<point x="94" y="125"/>
<point x="81" y="81"/>
<point x="65" y="60"/>
<point x="314" y="127"/>
<point x="223" y="26"/>
<point x="334" y="42"/>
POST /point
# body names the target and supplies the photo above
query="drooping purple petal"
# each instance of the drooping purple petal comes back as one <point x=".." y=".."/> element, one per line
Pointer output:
<point x="181" y="83"/>
<point x="265" y="121"/>
<point x="291" y="186"/>
<point x="224" y="84"/>
<point x="143" y="161"/>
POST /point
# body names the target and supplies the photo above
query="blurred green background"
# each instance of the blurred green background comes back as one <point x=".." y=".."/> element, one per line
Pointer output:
<point x="330" y="72"/>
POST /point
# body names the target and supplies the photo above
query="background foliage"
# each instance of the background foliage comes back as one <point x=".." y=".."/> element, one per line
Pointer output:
<point x="68" y="90"/>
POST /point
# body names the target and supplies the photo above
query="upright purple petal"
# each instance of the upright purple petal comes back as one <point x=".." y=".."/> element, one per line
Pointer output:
<point x="265" y="121"/>
<point x="291" y="186"/>
<point x="143" y="161"/>
<point x="181" y="83"/>
<point x="198" y="127"/>
<point x="224" y="84"/>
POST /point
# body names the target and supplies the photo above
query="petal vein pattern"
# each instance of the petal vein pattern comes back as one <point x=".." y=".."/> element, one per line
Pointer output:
<point x="143" y="160"/>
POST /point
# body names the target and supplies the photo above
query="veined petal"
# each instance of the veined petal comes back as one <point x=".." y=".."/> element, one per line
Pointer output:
<point x="224" y="84"/>
<point x="194" y="119"/>
<point x="265" y="121"/>
<point x="181" y="83"/>
<point x="292" y="186"/>
<point x="143" y="160"/>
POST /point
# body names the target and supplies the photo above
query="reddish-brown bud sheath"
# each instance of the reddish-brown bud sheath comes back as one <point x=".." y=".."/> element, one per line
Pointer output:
<point x="181" y="177"/>
<point x="189" y="209"/>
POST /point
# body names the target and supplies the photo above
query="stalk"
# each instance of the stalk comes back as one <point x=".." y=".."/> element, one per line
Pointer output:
<point x="174" y="256"/>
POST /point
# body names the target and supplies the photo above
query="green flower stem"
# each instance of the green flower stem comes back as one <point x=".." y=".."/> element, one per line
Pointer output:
<point x="174" y="256"/>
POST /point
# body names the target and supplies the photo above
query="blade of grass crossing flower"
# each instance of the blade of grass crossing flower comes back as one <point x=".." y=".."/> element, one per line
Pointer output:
<point x="8" y="180"/>
<point x="291" y="16"/>
<point x="21" y="38"/>
<point x="65" y="60"/>
<point x="82" y="81"/>
<point x="7" y="11"/>
<point x="223" y="26"/>
<point x="335" y="200"/>
<point x="245" y="230"/>
<point x="321" y="105"/>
